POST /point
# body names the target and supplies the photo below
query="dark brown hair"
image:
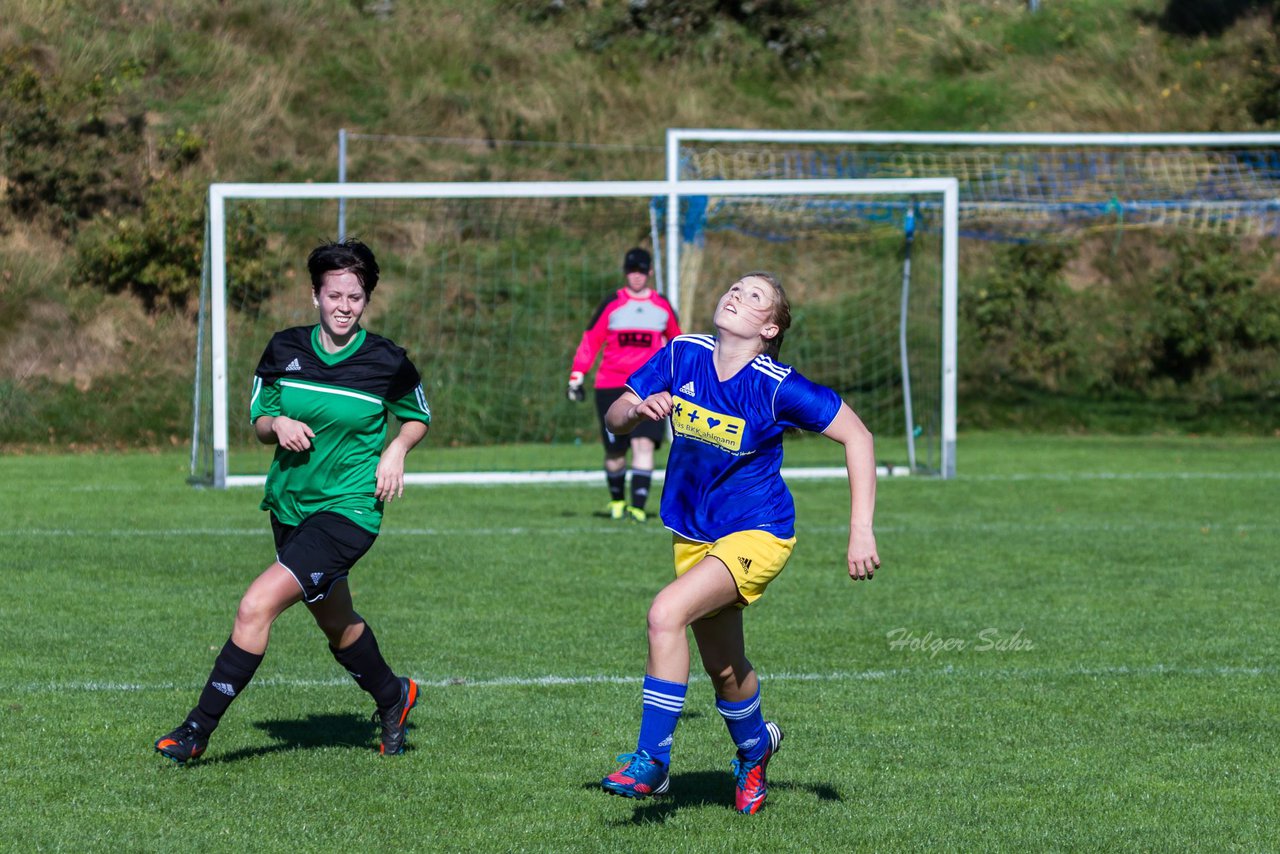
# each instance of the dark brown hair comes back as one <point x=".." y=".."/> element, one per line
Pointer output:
<point x="350" y="255"/>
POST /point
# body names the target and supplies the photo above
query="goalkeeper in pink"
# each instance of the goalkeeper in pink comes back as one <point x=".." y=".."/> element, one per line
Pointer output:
<point x="630" y="326"/>
<point x="732" y="519"/>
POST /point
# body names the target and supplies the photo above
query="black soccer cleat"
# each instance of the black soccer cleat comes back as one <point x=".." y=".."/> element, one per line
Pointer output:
<point x="394" y="720"/>
<point x="184" y="743"/>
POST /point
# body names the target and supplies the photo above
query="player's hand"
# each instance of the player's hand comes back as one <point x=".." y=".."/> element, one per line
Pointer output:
<point x="655" y="407"/>
<point x="292" y="435"/>
<point x="863" y="558"/>
<point x="575" y="391"/>
<point x="390" y="474"/>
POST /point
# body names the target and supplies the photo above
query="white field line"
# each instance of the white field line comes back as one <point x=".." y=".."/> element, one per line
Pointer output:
<point x="1153" y="475"/>
<point x="264" y="530"/>
<point x="551" y="681"/>
<point x="797" y="473"/>
<point x="1186" y="526"/>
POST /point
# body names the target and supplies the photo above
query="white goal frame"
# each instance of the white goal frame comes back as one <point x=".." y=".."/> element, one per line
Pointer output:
<point x="1226" y="208"/>
<point x="673" y="190"/>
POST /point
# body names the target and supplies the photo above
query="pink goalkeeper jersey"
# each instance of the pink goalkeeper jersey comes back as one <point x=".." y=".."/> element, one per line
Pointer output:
<point x="630" y="330"/>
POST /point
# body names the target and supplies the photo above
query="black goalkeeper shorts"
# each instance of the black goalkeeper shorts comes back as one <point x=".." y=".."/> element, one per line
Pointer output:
<point x="618" y="445"/>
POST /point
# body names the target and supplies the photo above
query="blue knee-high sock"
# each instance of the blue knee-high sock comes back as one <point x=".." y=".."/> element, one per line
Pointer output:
<point x="663" y="703"/>
<point x="746" y="725"/>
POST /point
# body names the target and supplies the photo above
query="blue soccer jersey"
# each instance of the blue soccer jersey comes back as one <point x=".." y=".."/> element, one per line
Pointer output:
<point x="724" y="471"/>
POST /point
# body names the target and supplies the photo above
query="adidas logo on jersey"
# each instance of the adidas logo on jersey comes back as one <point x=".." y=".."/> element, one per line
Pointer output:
<point x="746" y="563"/>
<point x="293" y="366"/>
<point x="225" y="688"/>
<point x="687" y="388"/>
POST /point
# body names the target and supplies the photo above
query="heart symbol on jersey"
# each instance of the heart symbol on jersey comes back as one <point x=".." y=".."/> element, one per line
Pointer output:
<point x="713" y="423"/>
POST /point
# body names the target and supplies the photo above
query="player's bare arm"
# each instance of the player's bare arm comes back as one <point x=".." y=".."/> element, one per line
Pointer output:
<point x="629" y="410"/>
<point x="290" y="434"/>
<point x="860" y="460"/>
<point x="390" y="484"/>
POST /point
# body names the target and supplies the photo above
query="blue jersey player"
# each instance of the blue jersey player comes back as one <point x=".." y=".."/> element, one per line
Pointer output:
<point x="732" y="518"/>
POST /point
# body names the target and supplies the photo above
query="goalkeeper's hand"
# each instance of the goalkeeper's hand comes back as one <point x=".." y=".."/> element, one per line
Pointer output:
<point x="575" y="391"/>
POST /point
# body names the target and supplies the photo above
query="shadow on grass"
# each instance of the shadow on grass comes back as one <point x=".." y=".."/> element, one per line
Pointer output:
<point x="351" y="731"/>
<point x="708" y="788"/>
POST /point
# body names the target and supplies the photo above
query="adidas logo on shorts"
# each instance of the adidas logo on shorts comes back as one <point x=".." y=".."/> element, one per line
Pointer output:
<point x="746" y="563"/>
<point x="316" y="576"/>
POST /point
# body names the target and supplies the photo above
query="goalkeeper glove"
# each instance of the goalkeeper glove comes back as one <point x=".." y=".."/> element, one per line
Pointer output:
<point x="576" y="392"/>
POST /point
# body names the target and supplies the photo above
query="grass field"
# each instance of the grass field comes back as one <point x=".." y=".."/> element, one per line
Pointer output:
<point x="1072" y="646"/>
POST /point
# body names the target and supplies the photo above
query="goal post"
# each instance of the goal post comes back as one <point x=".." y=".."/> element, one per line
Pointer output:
<point x="489" y="285"/>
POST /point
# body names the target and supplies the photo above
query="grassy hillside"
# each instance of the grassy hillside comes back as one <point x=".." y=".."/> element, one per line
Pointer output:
<point x="116" y="116"/>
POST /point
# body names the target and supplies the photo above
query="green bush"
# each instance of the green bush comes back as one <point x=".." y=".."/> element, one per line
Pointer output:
<point x="155" y="255"/>
<point x="71" y="150"/>
<point x="1208" y="313"/>
<point x="1206" y="17"/>
<point x="791" y="30"/>
<point x="1018" y="317"/>
<point x="1183" y="321"/>
<point x="1262" y="87"/>
<point x="158" y="255"/>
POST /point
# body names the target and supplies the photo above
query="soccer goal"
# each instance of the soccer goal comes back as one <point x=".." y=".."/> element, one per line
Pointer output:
<point x="1025" y="186"/>
<point x="490" y="285"/>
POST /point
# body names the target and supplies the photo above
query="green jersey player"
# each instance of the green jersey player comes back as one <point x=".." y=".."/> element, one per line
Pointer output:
<point x="322" y="394"/>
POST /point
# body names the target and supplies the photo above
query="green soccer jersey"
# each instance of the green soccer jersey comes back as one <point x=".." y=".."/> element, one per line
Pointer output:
<point x="344" y="398"/>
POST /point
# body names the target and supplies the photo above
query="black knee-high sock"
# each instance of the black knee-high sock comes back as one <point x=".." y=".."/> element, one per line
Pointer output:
<point x="232" y="671"/>
<point x="617" y="481"/>
<point x="640" y="480"/>
<point x="365" y="664"/>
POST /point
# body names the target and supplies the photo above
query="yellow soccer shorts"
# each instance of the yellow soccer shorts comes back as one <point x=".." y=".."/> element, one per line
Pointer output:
<point x="754" y="558"/>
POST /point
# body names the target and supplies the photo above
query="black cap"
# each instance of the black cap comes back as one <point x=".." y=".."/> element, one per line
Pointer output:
<point x="637" y="261"/>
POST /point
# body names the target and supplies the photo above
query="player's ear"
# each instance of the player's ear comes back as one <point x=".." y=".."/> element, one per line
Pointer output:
<point x="769" y="331"/>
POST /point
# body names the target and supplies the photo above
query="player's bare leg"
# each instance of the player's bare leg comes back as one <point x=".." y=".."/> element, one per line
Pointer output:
<point x="353" y="646"/>
<point x="720" y="643"/>
<point x="703" y="589"/>
<point x="270" y="594"/>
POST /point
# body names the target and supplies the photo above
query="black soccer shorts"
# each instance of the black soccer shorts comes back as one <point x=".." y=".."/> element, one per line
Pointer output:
<point x="320" y="551"/>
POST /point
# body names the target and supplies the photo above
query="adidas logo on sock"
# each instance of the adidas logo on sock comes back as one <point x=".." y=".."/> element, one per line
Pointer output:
<point x="746" y="563"/>
<point x="666" y="742"/>
<point x="294" y="366"/>
<point x="748" y="744"/>
<point x="225" y="688"/>
<point x="687" y="388"/>
<point x="316" y="576"/>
